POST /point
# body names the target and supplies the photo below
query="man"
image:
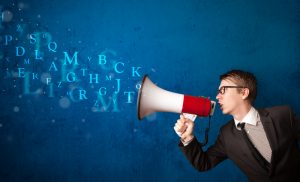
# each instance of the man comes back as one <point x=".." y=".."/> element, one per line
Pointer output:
<point x="262" y="143"/>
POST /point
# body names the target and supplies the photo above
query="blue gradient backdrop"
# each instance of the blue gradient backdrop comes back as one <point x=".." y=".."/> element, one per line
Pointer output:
<point x="183" y="45"/>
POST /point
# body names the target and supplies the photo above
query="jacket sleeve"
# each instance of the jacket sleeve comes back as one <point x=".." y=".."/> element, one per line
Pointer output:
<point x="204" y="160"/>
<point x="295" y="122"/>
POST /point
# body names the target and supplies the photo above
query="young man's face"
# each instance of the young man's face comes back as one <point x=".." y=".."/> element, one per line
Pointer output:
<point x="231" y="99"/>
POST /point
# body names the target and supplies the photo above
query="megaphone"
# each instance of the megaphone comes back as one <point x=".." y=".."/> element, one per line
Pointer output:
<point x="152" y="99"/>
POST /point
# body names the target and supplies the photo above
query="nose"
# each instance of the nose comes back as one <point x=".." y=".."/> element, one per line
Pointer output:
<point x="218" y="96"/>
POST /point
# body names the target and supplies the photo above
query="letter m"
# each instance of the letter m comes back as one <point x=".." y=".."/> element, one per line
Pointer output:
<point x="67" y="58"/>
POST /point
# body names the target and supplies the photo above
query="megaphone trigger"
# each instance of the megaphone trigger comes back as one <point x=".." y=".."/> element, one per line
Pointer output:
<point x="189" y="116"/>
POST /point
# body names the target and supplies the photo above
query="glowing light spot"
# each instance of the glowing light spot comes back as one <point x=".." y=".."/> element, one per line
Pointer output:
<point x="44" y="77"/>
<point x="151" y="117"/>
<point x="39" y="91"/>
<point x="64" y="102"/>
<point x="16" y="109"/>
<point x="7" y="16"/>
<point x="97" y="109"/>
<point x="10" y="138"/>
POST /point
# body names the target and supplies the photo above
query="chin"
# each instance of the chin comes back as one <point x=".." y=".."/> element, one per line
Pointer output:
<point x="225" y="112"/>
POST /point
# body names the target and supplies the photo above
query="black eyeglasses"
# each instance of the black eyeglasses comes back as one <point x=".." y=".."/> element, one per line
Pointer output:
<point x="222" y="89"/>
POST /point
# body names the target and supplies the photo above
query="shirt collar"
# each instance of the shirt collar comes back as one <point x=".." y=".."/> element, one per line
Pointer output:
<point x="252" y="117"/>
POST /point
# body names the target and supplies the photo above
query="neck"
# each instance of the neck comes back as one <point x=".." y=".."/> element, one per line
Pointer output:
<point x="241" y="112"/>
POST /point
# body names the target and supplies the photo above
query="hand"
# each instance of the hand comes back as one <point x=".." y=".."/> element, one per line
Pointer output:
<point x="184" y="129"/>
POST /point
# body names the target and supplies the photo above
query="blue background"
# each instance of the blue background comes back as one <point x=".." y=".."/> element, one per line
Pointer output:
<point x="183" y="45"/>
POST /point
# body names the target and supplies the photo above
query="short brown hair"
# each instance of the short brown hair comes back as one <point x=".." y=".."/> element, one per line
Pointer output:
<point x="243" y="78"/>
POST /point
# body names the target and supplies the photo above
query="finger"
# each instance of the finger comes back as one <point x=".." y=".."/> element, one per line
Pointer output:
<point x="178" y="123"/>
<point x="178" y="126"/>
<point x="183" y="129"/>
<point x="177" y="132"/>
<point x="189" y="128"/>
<point x="181" y="116"/>
<point x="182" y="120"/>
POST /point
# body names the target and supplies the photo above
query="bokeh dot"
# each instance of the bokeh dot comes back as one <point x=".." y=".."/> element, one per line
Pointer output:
<point x="64" y="102"/>
<point x="16" y="109"/>
<point x="7" y="16"/>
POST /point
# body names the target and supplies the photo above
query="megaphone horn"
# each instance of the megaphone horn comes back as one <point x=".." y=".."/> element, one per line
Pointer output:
<point x="152" y="99"/>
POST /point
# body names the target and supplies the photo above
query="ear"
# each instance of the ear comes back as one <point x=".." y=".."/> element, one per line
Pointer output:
<point x="245" y="93"/>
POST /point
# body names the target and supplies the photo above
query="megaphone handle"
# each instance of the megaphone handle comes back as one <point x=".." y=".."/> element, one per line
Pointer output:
<point x="206" y="134"/>
<point x="193" y="117"/>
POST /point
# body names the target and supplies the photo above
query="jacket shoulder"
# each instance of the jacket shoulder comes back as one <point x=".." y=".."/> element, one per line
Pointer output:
<point x="276" y="110"/>
<point x="279" y="108"/>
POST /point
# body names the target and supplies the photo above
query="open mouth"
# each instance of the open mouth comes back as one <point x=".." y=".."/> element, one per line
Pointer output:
<point x="221" y="106"/>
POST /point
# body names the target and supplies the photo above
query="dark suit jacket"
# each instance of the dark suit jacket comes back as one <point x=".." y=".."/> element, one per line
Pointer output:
<point x="282" y="128"/>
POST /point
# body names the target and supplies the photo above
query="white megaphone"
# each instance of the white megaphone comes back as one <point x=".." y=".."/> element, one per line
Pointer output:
<point x="152" y="99"/>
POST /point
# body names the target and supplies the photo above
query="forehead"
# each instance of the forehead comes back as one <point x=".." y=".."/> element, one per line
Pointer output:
<point x="226" y="82"/>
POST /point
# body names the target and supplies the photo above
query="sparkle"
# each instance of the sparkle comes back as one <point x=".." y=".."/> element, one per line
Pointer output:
<point x="22" y="6"/>
<point x="39" y="91"/>
<point x="97" y="109"/>
<point x="7" y="16"/>
<point x="88" y="136"/>
<point x="16" y="109"/>
<point x="45" y="77"/>
<point x="64" y="102"/>
<point x="15" y="74"/>
<point x="10" y="138"/>
<point x="151" y="117"/>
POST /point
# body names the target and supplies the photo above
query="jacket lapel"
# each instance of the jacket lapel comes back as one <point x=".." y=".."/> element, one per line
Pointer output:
<point x="270" y="133"/>
<point x="244" y="149"/>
